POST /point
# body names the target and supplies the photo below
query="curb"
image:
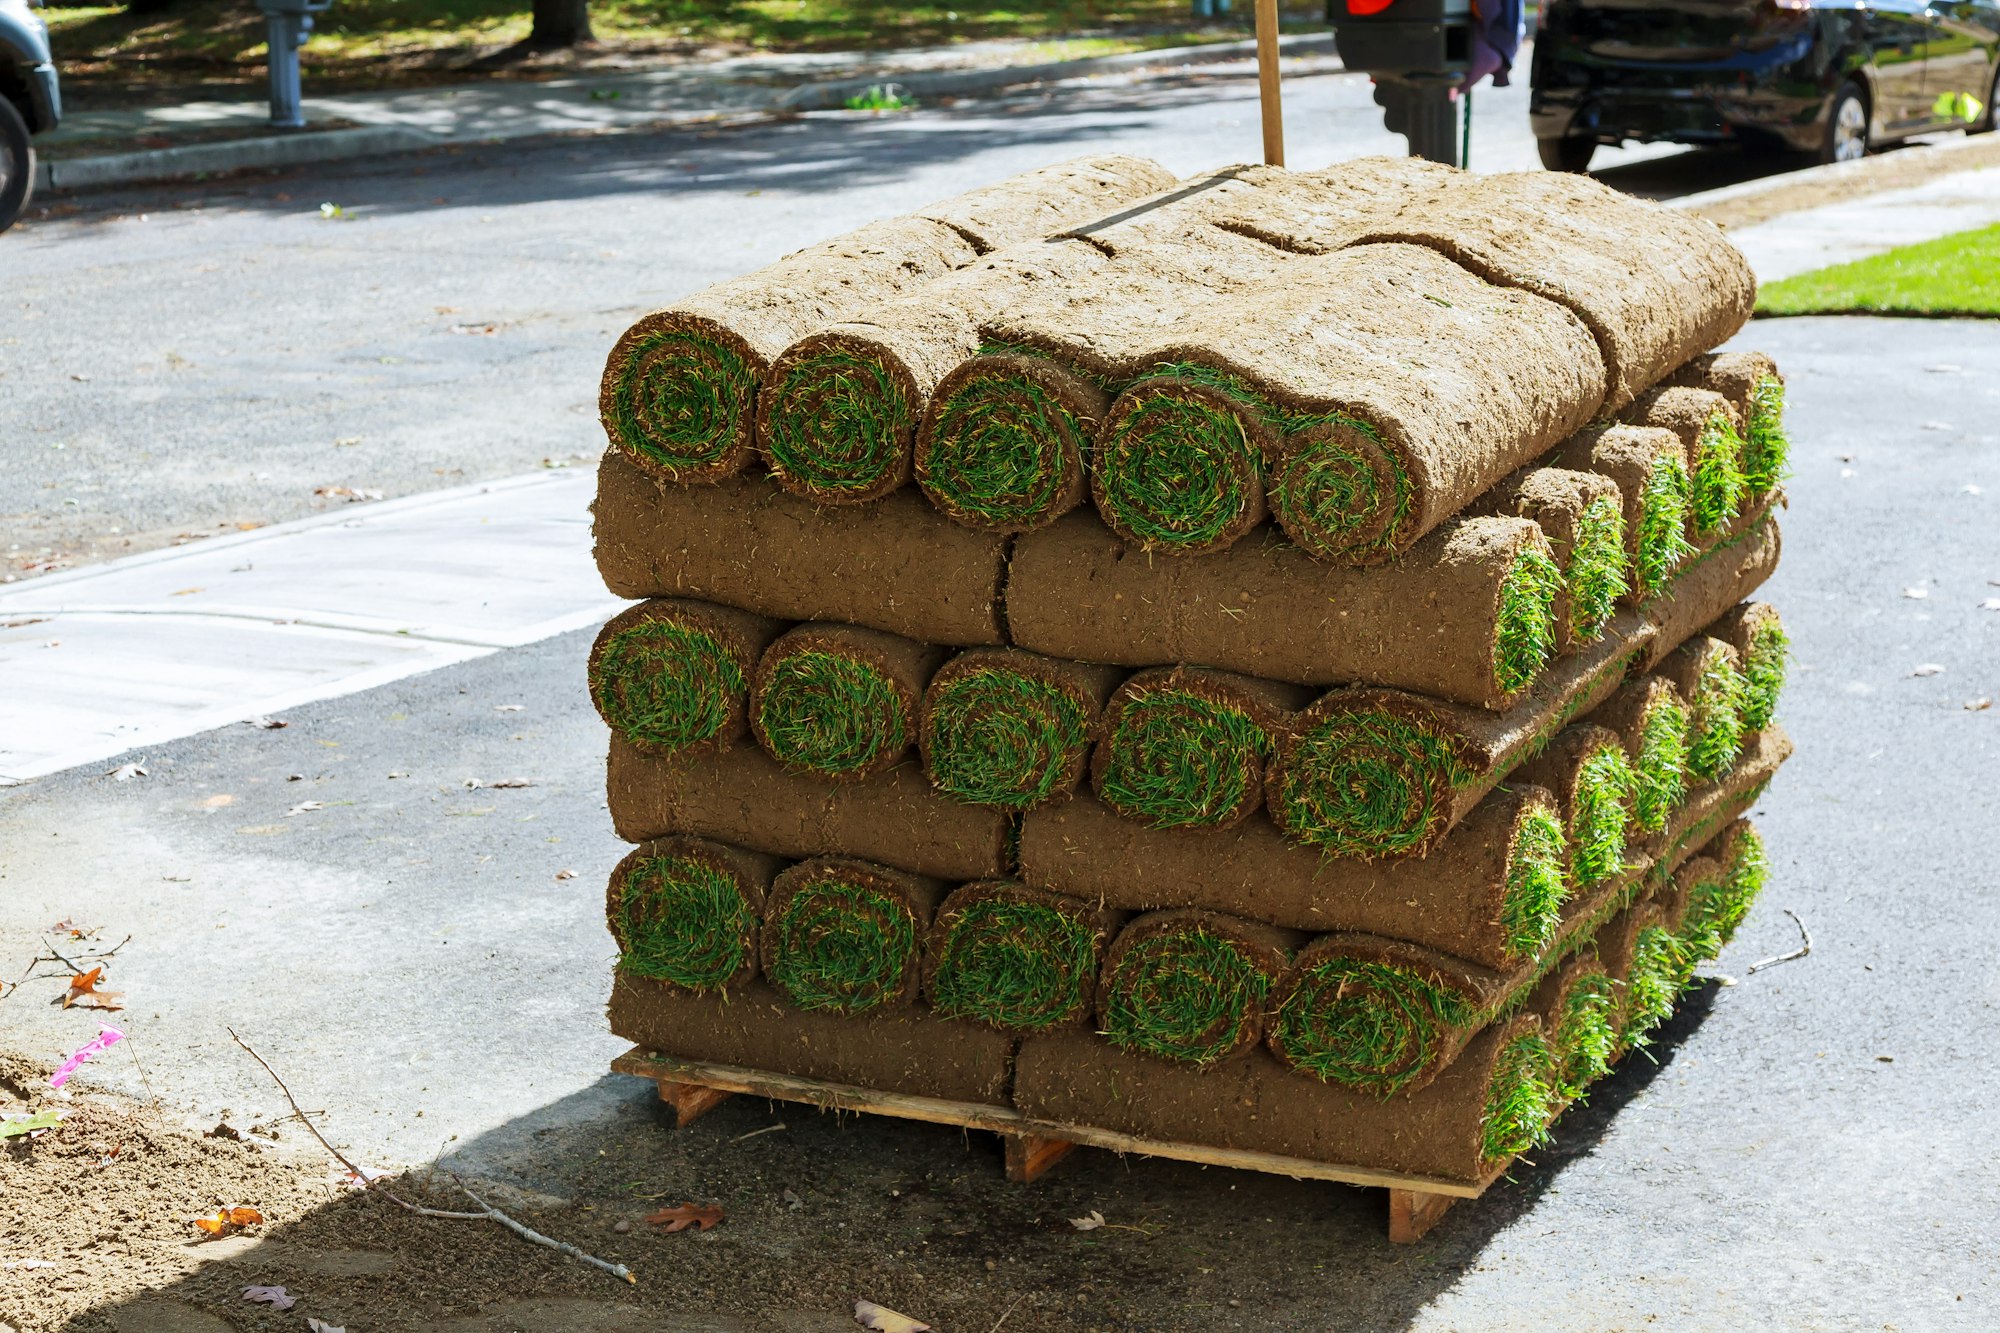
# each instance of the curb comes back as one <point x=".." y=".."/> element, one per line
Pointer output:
<point x="291" y="150"/>
<point x="1791" y="180"/>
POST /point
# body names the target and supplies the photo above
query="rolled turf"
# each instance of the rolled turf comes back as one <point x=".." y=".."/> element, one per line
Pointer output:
<point x="1012" y="729"/>
<point x="1711" y="429"/>
<point x="1583" y="516"/>
<point x="897" y="565"/>
<point x="840" y="701"/>
<point x="1652" y="719"/>
<point x="1754" y="630"/>
<point x="1370" y="1013"/>
<point x="1752" y="384"/>
<point x="1185" y="747"/>
<point x="1709" y="675"/>
<point x="1014" y="957"/>
<point x="743" y="796"/>
<point x="1714" y="581"/>
<point x="671" y="675"/>
<point x="1005" y="443"/>
<point x="1178" y="465"/>
<point x="1716" y="907"/>
<point x="684" y="912"/>
<point x="847" y="935"/>
<point x="1492" y="892"/>
<point x="1649" y="464"/>
<point x="1387" y="773"/>
<point x="1587" y="769"/>
<point x="1578" y="1004"/>
<point x="1467" y="615"/>
<point x="679" y="391"/>
<point x="1190" y="985"/>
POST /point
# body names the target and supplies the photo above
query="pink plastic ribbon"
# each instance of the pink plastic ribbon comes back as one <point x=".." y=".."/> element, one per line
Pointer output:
<point x="97" y="1045"/>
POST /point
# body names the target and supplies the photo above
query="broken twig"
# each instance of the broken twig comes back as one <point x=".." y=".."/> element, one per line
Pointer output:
<point x="487" y="1212"/>
<point x="1800" y="952"/>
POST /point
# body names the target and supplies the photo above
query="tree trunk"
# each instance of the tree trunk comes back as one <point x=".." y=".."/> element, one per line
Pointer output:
<point x="560" y="23"/>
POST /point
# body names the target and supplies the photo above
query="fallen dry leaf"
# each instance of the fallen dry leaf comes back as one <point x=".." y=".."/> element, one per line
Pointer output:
<point x="83" y="991"/>
<point x="267" y="723"/>
<point x="321" y="1326"/>
<point x="508" y="708"/>
<point x="184" y="592"/>
<point x="275" y="1297"/>
<point x="1990" y="604"/>
<point x="1916" y="594"/>
<point x="348" y="493"/>
<point x="474" y="784"/>
<point x="305" y="807"/>
<point x="125" y="772"/>
<point x="565" y="874"/>
<point x="884" y="1320"/>
<point x="228" y="1221"/>
<point x="1978" y="705"/>
<point x="1090" y="1223"/>
<point x="701" y="1215"/>
<point x="1928" y="669"/>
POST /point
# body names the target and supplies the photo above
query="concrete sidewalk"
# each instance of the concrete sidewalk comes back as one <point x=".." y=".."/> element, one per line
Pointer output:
<point x="1870" y="225"/>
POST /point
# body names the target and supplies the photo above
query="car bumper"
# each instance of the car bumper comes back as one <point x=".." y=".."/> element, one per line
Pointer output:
<point x="1692" y="116"/>
<point x="46" y="95"/>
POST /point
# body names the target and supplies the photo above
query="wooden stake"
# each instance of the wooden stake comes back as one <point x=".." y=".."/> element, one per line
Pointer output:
<point x="1267" y="82"/>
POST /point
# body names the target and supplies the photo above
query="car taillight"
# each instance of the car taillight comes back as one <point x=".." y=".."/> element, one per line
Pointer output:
<point x="1792" y="4"/>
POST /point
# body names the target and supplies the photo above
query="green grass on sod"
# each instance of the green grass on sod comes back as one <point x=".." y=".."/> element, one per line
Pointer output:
<point x="1183" y="996"/>
<point x="1953" y="275"/>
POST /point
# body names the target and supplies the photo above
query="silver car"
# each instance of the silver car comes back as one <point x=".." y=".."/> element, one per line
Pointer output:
<point x="30" y="102"/>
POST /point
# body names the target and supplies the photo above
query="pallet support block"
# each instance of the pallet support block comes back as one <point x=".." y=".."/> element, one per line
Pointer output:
<point x="1412" y="1213"/>
<point x="691" y="1101"/>
<point x="1030" y="1156"/>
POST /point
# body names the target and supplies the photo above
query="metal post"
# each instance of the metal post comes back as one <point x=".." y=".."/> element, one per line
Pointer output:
<point x="284" y="35"/>
<point x="1424" y="113"/>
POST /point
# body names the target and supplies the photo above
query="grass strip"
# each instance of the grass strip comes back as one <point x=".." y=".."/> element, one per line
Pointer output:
<point x="1014" y="964"/>
<point x="1365" y="783"/>
<point x="1717" y="484"/>
<point x="1599" y="812"/>
<point x="1525" y="627"/>
<point x="1956" y="275"/>
<point x="1586" y="1036"/>
<point x="1000" y="451"/>
<point x="1177" y="467"/>
<point x="1521" y="1099"/>
<point x="826" y="713"/>
<point x="1767" y="448"/>
<point x="665" y="683"/>
<point x="1663" y="544"/>
<point x="1596" y="577"/>
<point x="681" y="401"/>
<point x="1531" y="908"/>
<point x="1659" y="777"/>
<point x="1715" y="731"/>
<point x="1178" y="758"/>
<point x="1370" y="1025"/>
<point x="1764" y="674"/>
<point x="837" y="425"/>
<point x="684" y="921"/>
<point x="840" y="943"/>
<point x="995" y="736"/>
<point x="1184" y="995"/>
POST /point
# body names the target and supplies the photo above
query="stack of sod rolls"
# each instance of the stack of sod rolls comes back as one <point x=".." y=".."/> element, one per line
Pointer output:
<point x="1263" y="661"/>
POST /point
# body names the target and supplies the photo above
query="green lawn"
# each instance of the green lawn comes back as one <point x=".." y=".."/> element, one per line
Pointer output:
<point x="1953" y="275"/>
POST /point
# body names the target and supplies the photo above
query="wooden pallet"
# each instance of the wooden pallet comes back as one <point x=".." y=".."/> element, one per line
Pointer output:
<point x="1032" y="1147"/>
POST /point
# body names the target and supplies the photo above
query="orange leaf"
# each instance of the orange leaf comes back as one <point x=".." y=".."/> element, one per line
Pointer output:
<point x="687" y="1215"/>
<point x="83" y="987"/>
<point x="227" y="1220"/>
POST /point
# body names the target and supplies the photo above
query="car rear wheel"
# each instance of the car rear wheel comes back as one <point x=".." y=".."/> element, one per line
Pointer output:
<point x="17" y="164"/>
<point x="1846" y="126"/>
<point x="1566" y="154"/>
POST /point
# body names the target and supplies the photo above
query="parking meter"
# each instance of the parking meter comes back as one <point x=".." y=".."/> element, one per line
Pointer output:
<point x="1417" y="51"/>
<point x="287" y="24"/>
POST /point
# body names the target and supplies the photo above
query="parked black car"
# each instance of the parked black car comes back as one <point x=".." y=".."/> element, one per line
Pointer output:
<point x="1831" y="77"/>
<point x="30" y="102"/>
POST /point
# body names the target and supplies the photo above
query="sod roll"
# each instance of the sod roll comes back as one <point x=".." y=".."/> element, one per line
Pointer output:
<point x="1717" y="906"/>
<point x="1178" y="466"/>
<point x="679" y="390"/>
<point x="1649" y="463"/>
<point x="684" y="912"/>
<point x="1713" y="582"/>
<point x="1467" y="615"/>
<point x="1011" y="729"/>
<point x="1491" y="892"/>
<point x="1710" y="808"/>
<point x="1709" y="675"/>
<point x="897" y="566"/>
<point x="1652" y="719"/>
<point x="1583" y="516"/>
<point x="1711" y="430"/>
<point x="1752" y="384"/>
<point x="1754" y="630"/>
<point x="838" y="700"/>
<point x="1015" y="957"/>
<point x="1578" y="1005"/>
<point x="671" y="675"/>
<point x="903" y="1050"/>
<point x="846" y="935"/>
<point x="1491" y="1103"/>
<point x="1587" y="768"/>
<point x="1005" y="441"/>
<point x="1658" y="964"/>
<point x="1190" y="985"/>
<point x="1186" y="747"/>
<point x="743" y="796"/>
<point x="1387" y="773"/>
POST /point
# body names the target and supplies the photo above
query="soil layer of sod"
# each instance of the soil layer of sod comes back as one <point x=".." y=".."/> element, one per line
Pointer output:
<point x="680" y="386"/>
<point x="1716" y="580"/>
<point x="671" y="675"/>
<point x="1466" y="616"/>
<point x="840" y="701"/>
<point x="1011" y="729"/>
<point x="1013" y="957"/>
<point x="905" y="1049"/>
<point x="1711" y="430"/>
<point x="847" y="935"/>
<point x="897" y="565"/>
<point x="684" y="912"/>
<point x="1650" y="466"/>
<point x="1490" y="892"/>
<point x="1186" y="747"/>
<point x="1190" y="985"/>
<point x="1583" y="516"/>
<point x="744" y="797"/>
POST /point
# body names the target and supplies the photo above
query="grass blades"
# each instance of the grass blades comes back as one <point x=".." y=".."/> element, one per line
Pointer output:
<point x="1366" y="783"/>
<point x="1663" y="518"/>
<point x="1525" y="628"/>
<point x="1717" y="486"/>
<point x="681" y="402"/>
<point x="1661" y="965"/>
<point x="1329" y="494"/>
<point x="1178" y="758"/>
<point x="1599" y="811"/>
<point x="837" y="425"/>
<point x="1716" y="908"/>
<point x="1659" y="778"/>
<point x="1586" y="1033"/>
<point x="1767" y="448"/>
<point x="1764" y="674"/>
<point x="842" y="945"/>
<point x="1715" y="733"/>
<point x="998" y="451"/>
<point x="1176" y="468"/>
<point x="1183" y="995"/>
<point x="1377" y="1026"/>
<point x="826" y="713"/>
<point x="1521" y="1099"/>
<point x="1536" y="887"/>
<point x="1596" y="576"/>
<point x="999" y="737"/>
<point x="666" y="684"/>
<point x="683" y="921"/>
<point x="1022" y="965"/>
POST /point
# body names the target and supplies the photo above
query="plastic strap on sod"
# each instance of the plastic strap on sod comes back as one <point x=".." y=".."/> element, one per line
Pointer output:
<point x="845" y="936"/>
<point x="1366" y="1023"/>
<point x="680" y="401"/>
<point x="684" y="912"/>
<point x="1178" y="465"/>
<point x="1521" y="1097"/>
<point x="1188" y="986"/>
<point x="1009" y="728"/>
<point x="1006" y="443"/>
<point x="837" y="425"/>
<point x="1014" y="957"/>
<point x="672" y="676"/>
<point x="1362" y="782"/>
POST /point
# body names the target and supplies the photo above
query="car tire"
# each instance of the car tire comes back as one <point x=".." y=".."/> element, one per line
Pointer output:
<point x="17" y="164"/>
<point x="1846" y="138"/>
<point x="1571" y="155"/>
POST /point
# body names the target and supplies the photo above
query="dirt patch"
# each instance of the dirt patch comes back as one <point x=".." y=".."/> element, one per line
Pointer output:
<point x="1891" y="171"/>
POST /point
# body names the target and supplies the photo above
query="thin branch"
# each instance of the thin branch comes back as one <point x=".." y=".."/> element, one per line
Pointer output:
<point x="1008" y="1311"/>
<point x="1800" y="952"/>
<point x="488" y="1212"/>
<point x="768" y="1129"/>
